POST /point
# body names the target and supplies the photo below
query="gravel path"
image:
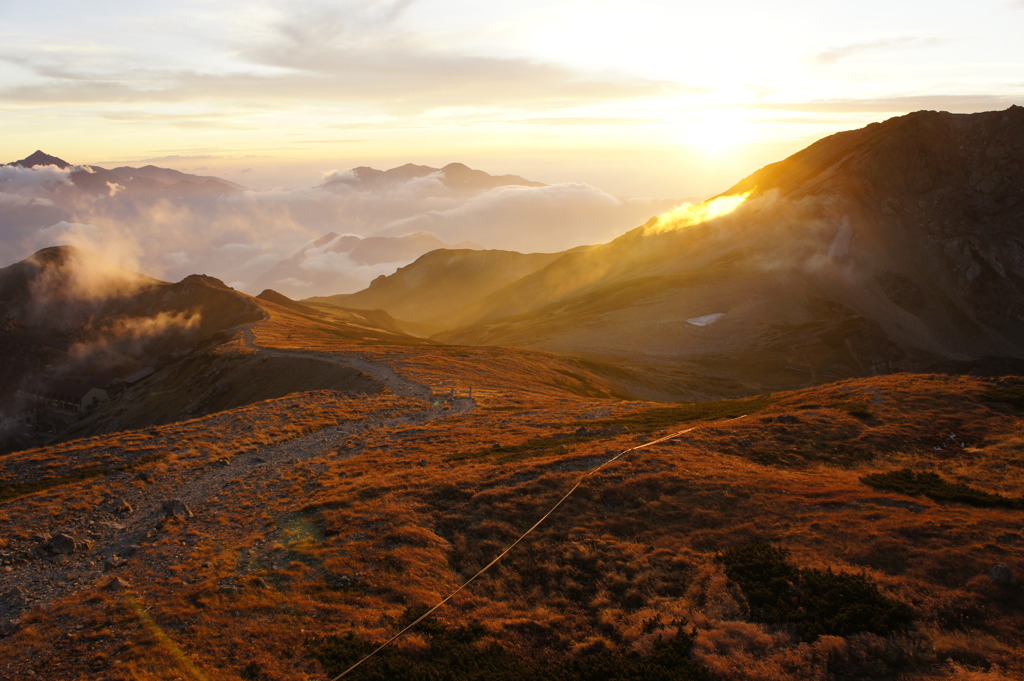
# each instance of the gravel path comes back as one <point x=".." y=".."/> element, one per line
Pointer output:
<point x="118" y="538"/>
<point x="379" y="372"/>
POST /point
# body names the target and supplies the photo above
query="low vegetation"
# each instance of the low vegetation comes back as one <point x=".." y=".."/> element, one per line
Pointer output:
<point x="640" y="422"/>
<point x="466" y="654"/>
<point x="934" y="486"/>
<point x="1009" y="390"/>
<point x="650" y="420"/>
<point x="813" y="602"/>
<point x="14" y="489"/>
<point x="322" y="520"/>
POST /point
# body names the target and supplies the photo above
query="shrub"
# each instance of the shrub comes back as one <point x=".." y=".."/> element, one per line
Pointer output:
<point x="813" y="602"/>
<point x="859" y="410"/>
<point x="933" y="486"/>
<point x="638" y="423"/>
<point x="13" y="490"/>
<point x="1009" y="390"/>
<point x="459" y="654"/>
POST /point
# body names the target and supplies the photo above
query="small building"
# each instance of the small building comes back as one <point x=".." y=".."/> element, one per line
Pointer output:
<point x="133" y="378"/>
<point x="69" y="396"/>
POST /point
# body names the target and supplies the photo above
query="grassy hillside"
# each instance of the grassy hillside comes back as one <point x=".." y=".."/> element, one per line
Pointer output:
<point x="758" y="545"/>
<point x="436" y="289"/>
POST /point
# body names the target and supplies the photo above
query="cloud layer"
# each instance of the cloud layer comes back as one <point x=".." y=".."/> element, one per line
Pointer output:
<point x="170" y="226"/>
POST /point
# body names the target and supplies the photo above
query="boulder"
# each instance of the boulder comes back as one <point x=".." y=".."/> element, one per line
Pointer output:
<point x="1002" y="575"/>
<point x="62" y="544"/>
<point x="118" y="584"/>
<point x="176" y="508"/>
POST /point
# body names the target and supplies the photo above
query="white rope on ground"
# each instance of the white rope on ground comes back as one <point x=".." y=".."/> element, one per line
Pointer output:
<point x="511" y="546"/>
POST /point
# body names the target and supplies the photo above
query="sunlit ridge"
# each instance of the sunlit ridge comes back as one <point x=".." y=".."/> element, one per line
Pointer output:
<point x="689" y="214"/>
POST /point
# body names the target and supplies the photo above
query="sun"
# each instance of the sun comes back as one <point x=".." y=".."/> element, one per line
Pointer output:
<point x="718" y="132"/>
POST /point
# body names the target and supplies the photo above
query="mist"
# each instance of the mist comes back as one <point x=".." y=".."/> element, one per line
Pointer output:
<point x="168" y="224"/>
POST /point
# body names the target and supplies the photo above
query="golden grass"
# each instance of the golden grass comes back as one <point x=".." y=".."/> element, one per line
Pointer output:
<point x="383" y="519"/>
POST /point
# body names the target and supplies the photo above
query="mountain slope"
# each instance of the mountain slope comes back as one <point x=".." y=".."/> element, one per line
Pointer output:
<point x="73" y="322"/>
<point x="892" y="247"/>
<point x="438" y="288"/>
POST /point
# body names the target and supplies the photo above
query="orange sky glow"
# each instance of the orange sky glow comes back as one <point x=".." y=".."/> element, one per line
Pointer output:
<point x="646" y="99"/>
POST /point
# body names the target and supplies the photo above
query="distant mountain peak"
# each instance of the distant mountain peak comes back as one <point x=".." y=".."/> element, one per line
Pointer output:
<point x="55" y="255"/>
<point x="41" y="158"/>
<point x="456" y="176"/>
<point x="918" y="151"/>
<point x="205" y="280"/>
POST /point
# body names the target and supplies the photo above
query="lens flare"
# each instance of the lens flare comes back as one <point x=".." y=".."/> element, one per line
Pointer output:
<point x="689" y="214"/>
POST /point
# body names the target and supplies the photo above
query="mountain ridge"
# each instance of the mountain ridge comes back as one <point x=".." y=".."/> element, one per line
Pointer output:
<point x="40" y="158"/>
<point x="456" y="176"/>
<point x="863" y="230"/>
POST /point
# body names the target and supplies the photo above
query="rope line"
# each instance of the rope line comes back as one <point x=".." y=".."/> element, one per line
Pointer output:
<point x="511" y="546"/>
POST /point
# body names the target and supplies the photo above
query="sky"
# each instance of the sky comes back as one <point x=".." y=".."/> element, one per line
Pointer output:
<point x="648" y="98"/>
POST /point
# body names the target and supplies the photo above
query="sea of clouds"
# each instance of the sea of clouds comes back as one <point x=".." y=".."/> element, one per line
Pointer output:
<point x="276" y="238"/>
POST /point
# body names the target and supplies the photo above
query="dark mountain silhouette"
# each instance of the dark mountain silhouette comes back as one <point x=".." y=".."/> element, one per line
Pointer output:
<point x="70" y="322"/>
<point x="63" y="289"/>
<point x="147" y="180"/>
<point x="69" y="317"/>
<point x="40" y="158"/>
<point x="897" y="246"/>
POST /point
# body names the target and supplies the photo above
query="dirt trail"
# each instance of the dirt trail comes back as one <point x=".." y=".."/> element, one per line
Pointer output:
<point x="379" y="372"/>
<point x="117" y="541"/>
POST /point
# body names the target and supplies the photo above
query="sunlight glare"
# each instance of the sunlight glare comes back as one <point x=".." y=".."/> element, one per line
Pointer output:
<point x="719" y="132"/>
<point x="689" y="214"/>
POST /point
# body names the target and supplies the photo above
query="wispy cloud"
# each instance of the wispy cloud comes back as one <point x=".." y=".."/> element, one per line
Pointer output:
<point x="954" y="103"/>
<point x="177" y="158"/>
<point x="394" y="82"/>
<point x="349" y="54"/>
<point x="836" y="54"/>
